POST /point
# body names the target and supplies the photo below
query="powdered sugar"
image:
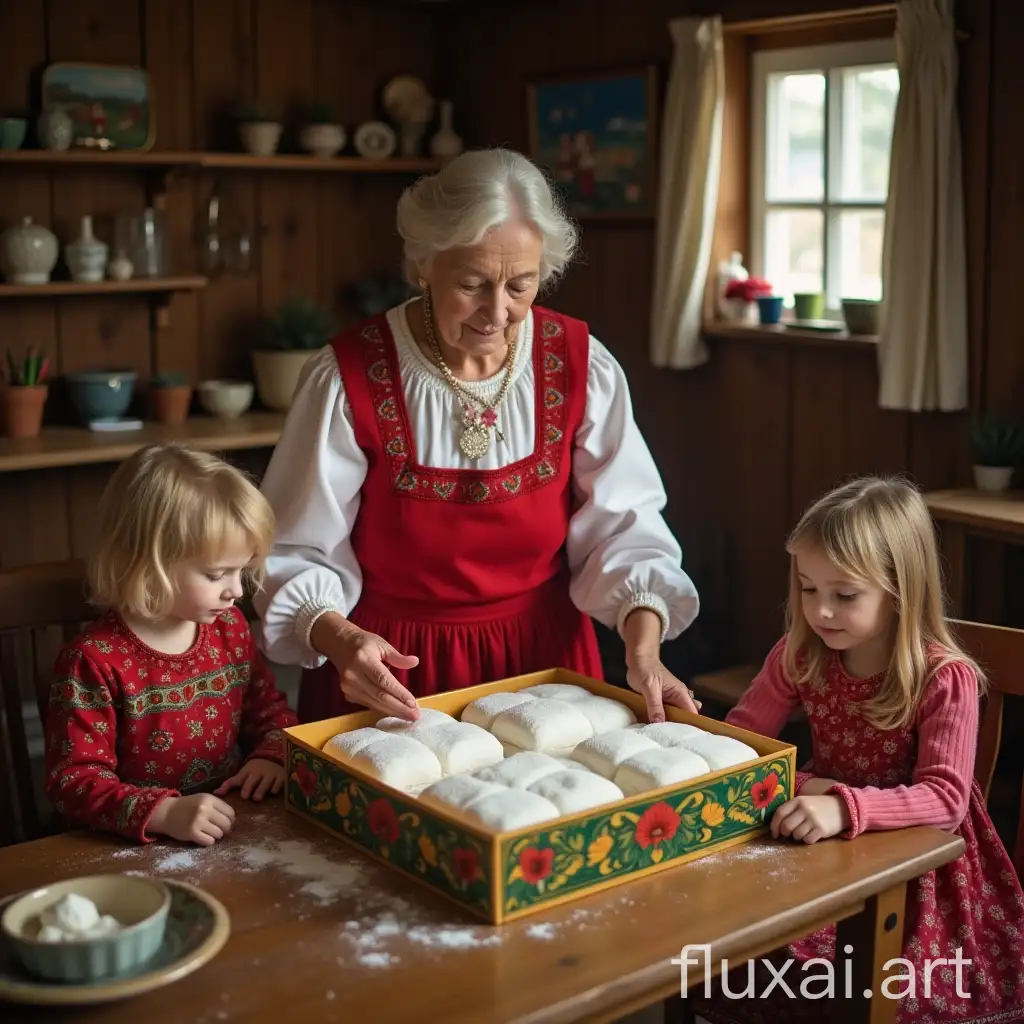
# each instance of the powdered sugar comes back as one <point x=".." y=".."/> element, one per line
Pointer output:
<point x="180" y="860"/>
<point x="541" y="931"/>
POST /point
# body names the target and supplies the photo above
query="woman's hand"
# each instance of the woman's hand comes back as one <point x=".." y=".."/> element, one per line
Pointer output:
<point x="362" y="661"/>
<point x="659" y="687"/>
<point x="644" y="671"/>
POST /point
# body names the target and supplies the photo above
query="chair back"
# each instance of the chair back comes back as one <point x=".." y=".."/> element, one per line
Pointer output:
<point x="999" y="650"/>
<point x="41" y="607"/>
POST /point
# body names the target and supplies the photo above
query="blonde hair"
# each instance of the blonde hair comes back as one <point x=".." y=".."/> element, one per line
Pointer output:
<point x="878" y="529"/>
<point x="167" y="505"/>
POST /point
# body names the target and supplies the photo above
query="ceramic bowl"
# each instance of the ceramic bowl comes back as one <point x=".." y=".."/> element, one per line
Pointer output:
<point x="101" y="394"/>
<point x="141" y="904"/>
<point x="12" y="132"/>
<point x="227" y="399"/>
<point x="861" y="315"/>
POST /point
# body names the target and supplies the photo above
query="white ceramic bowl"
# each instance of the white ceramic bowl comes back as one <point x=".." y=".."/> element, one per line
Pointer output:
<point x="227" y="399"/>
<point x="139" y="903"/>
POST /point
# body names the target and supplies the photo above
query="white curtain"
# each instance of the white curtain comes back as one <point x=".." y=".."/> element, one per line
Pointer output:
<point x="922" y="346"/>
<point x="691" y="153"/>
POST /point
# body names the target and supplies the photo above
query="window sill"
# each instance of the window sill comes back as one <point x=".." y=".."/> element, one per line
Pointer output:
<point x="781" y="334"/>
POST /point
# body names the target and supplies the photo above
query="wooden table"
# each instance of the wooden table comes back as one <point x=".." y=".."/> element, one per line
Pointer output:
<point x="968" y="513"/>
<point x="322" y="933"/>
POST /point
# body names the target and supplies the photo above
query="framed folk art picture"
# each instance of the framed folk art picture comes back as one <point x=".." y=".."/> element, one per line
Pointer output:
<point x="596" y="135"/>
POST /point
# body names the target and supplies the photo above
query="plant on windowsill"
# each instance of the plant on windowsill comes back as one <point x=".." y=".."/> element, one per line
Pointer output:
<point x="997" y="444"/>
<point x="24" y="394"/>
<point x="740" y="298"/>
<point x="291" y="335"/>
<point x="172" y="394"/>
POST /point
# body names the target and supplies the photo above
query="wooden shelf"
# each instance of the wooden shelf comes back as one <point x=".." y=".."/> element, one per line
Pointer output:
<point x="77" y="446"/>
<point x="171" y="159"/>
<point x="778" y="333"/>
<point x="113" y="157"/>
<point x="135" y="286"/>
<point x="297" y="162"/>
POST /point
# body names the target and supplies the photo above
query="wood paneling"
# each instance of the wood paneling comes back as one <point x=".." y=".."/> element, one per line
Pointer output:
<point x="316" y="234"/>
<point x="747" y="441"/>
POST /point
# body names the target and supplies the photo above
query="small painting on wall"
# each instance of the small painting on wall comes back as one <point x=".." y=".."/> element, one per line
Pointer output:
<point x="595" y="134"/>
<point x="110" y="106"/>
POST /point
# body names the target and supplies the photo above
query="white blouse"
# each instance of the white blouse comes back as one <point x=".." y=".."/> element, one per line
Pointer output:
<point x="621" y="553"/>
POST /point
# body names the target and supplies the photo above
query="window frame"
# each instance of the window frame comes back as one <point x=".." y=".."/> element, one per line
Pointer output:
<point x="829" y="59"/>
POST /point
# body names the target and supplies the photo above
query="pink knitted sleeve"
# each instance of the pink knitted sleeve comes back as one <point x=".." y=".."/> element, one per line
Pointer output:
<point x="769" y="701"/>
<point x="947" y="726"/>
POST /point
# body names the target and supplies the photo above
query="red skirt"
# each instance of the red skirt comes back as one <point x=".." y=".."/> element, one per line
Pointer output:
<point x="465" y="645"/>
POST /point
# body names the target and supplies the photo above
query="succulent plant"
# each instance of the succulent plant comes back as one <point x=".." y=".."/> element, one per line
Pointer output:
<point x="996" y="441"/>
<point x="298" y="324"/>
<point x="169" y="379"/>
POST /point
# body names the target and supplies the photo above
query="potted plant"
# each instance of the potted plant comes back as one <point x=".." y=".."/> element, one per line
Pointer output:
<point x="290" y="336"/>
<point x="172" y="395"/>
<point x="24" y="395"/>
<point x="259" y="125"/>
<point x="322" y="133"/>
<point x="997" y="444"/>
<point x="740" y="296"/>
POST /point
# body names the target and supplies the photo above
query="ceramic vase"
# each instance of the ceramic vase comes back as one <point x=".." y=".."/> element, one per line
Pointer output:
<point x="86" y="256"/>
<point x="28" y="253"/>
<point x="55" y="130"/>
<point x="446" y="142"/>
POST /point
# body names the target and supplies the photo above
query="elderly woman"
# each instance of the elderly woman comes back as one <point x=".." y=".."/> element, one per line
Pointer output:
<point x="460" y="484"/>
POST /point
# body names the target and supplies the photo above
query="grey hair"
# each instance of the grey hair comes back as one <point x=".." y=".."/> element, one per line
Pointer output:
<point x="479" y="190"/>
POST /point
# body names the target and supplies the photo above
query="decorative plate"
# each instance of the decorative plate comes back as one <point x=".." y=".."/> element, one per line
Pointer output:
<point x="375" y="140"/>
<point x="197" y="928"/>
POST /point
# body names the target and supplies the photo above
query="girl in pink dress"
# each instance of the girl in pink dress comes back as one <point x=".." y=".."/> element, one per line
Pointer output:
<point x="892" y="702"/>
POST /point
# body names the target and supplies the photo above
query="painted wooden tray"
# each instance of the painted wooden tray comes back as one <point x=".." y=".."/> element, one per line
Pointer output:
<point x="502" y="876"/>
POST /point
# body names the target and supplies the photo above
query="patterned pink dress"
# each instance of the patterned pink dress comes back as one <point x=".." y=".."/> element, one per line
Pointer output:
<point x="919" y="775"/>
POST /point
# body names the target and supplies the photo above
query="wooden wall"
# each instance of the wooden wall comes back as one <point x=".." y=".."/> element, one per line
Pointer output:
<point x="318" y="233"/>
<point x="745" y="442"/>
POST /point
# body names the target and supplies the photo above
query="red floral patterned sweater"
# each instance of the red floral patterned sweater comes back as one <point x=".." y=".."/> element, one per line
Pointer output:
<point x="128" y="726"/>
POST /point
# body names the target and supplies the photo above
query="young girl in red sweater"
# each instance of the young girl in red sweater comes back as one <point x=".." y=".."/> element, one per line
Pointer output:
<point x="164" y="704"/>
<point x="892" y="703"/>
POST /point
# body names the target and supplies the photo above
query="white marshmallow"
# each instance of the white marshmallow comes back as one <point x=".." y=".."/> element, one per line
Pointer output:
<point x="554" y="726"/>
<point x="604" y="753"/>
<point x="459" y="790"/>
<point x="509" y="809"/>
<point x="575" y="791"/>
<point x="72" y="914"/>
<point x="460" y="746"/>
<point x="721" y="751"/>
<point x="657" y="767"/>
<point x="605" y="714"/>
<point x="347" y="744"/>
<point x="522" y="769"/>
<point x="671" y="734"/>
<point x="560" y="691"/>
<point x="399" y="761"/>
<point x="484" y="710"/>
<point x="428" y="717"/>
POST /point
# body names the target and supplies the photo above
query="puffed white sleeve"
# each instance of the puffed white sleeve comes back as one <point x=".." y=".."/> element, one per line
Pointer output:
<point x="313" y="483"/>
<point x="622" y="555"/>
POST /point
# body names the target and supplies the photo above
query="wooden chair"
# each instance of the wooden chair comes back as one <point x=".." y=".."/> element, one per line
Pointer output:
<point x="1000" y="652"/>
<point x="41" y="607"/>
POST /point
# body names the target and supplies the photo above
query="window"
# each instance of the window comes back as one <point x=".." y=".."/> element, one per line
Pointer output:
<point x="822" y="131"/>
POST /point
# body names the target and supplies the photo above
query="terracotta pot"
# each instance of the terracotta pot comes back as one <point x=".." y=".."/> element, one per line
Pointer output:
<point x="170" y="404"/>
<point x="23" y="410"/>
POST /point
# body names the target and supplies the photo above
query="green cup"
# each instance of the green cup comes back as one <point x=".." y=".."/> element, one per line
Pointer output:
<point x="808" y="306"/>
<point x="12" y="132"/>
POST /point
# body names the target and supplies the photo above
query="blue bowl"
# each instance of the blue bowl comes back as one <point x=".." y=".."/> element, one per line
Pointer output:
<point x="101" y="394"/>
